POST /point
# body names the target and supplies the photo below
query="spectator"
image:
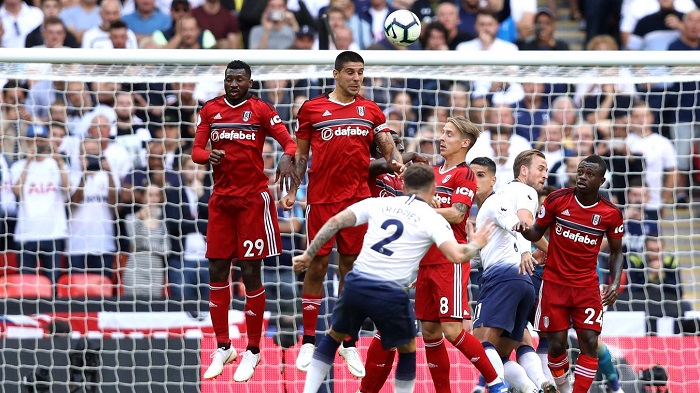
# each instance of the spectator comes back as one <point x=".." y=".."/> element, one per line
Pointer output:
<point x="53" y="33"/>
<point x="91" y="244"/>
<point x="375" y="12"/>
<point x="634" y="10"/>
<point x="51" y="9"/>
<point x="188" y="35"/>
<point x="305" y="38"/>
<point x="467" y="16"/>
<point x="186" y="219"/>
<point x="602" y="16"/>
<point x="599" y="102"/>
<point x="448" y="16"/>
<point x="146" y="19"/>
<point x="152" y="174"/>
<point x="173" y="143"/>
<point x="333" y="20"/>
<point x="487" y="28"/>
<point x="279" y="94"/>
<point x="119" y="160"/>
<point x="582" y="140"/>
<point x="14" y="118"/>
<point x="564" y="112"/>
<point x="41" y="185"/>
<point x="516" y="19"/>
<point x="478" y="106"/>
<point x="221" y="22"/>
<point x="344" y="39"/>
<point x="81" y="17"/>
<point x="459" y="100"/>
<point x="361" y="29"/>
<point x="78" y="103"/>
<point x="277" y="28"/>
<point x="532" y="111"/>
<point x="640" y="222"/>
<point x="499" y="120"/>
<point x="655" y="282"/>
<point x="563" y="173"/>
<point x="42" y="94"/>
<point x="182" y="106"/>
<point x="434" y="37"/>
<point x="504" y="159"/>
<point x="687" y="128"/>
<point x="656" y="30"/>
<point x="401" y="109"/>
<point x="144" y="272"/>
<point x="659" y="157"/>
<point x="98" y="36"/>
<point x="20" y="18"/>
<point x="545" y="29"/>
<point x="551" y="143"/>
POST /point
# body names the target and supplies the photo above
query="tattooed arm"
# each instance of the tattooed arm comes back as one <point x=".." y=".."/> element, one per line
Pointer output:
<point x="344" y="219"/>
<point x="385" y="144"/>
<point x="454" y="214"/>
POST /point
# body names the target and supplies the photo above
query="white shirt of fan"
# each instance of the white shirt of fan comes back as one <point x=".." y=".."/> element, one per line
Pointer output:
<point x="92" y="222"/>
<point x="42" y="209"/>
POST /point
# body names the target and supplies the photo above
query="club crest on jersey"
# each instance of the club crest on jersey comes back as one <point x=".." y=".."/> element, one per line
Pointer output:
<point x="545" y="320"/>
<point x="361" y="110"/>
<point x="596" y="219"/>
<point x="247" y="115"/>
<point x="446" y="179"/>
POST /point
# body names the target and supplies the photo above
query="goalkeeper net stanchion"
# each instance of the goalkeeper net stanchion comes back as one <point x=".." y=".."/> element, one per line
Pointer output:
<point x="139" y="322"/>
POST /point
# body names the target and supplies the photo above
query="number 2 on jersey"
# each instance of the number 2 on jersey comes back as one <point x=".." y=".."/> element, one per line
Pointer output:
<point x="379" y="246"/>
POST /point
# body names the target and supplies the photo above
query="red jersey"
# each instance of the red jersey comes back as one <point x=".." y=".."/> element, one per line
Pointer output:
<point x="457" y="184"/>
<point x="339" y="136"/>
<point x="240" y="131"/>
<point x="576" y="233"/>
<point x="385" y="185"/>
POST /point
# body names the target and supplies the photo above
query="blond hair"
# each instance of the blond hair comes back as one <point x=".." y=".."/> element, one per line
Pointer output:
<point x="468" y="129"/>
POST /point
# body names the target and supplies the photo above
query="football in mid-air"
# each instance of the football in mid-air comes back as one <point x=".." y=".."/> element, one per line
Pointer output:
<point x="402" y="27"/>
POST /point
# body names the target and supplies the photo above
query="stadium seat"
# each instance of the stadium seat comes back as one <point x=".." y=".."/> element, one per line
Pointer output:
<point x="25" y="286"/>
<point x="81" y="285"/>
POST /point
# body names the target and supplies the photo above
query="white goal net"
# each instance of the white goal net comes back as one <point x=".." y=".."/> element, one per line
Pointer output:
<point x="96" y="298"/>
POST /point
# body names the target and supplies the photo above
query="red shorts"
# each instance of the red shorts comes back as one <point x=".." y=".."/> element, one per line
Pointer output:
<point x="561" y="305"/>
<point x="244" y="228"/>
<point x="349" y="239"/>
<point x="441" y="293"/>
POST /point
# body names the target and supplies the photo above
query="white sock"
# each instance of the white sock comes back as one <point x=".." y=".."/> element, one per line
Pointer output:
<point x="533" y="367"/>
<point x="317" y="372"/>
<point x="495" y="360"/>
<point x="517" y="377"/>
<point x="403" y="386"/>
<point x="544" y="362"/>
<point x="563" y="383"/>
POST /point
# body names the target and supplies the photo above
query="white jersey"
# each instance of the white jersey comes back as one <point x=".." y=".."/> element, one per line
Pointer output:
<point x="399" y="234"/>
<point x="505" y="245"/>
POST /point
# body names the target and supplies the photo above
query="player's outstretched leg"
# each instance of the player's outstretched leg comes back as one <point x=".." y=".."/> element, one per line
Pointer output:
<point x="587" y="363"/>
<point x="254" y="310"/>
<point x="311" y="296"/>
<point x="321" y="363"/>
<point x="377" y="366"/>
<point x="219" y="303"/>
<point x="405" y="379"/>
<point x="516" y="376"/>
<point x="607" y="368"/>
<point x="349" y="350"/>
<point x="438" y="363"/>
<point x="530" y="362"/>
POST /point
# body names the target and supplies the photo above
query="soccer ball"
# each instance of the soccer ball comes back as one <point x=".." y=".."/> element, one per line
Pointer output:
<point x="402" y="27"/>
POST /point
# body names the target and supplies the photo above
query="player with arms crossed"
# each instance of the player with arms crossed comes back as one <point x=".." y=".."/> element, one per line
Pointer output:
<point x="578" y="218"/>
<point x="507" y="296"/>
<point x="236" y="125"/>
<point x="338" y="127"/>
<point x="441" y="296"/>
<point x="400" y="232"/>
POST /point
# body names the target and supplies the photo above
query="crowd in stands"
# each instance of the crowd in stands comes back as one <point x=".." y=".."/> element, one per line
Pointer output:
<point x="98" y="176"/>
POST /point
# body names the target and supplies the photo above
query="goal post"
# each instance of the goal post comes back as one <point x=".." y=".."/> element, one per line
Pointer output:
<point x="160" y="340"/>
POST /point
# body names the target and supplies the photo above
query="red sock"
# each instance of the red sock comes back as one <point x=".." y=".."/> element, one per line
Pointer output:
<point x="310" y="305"/>
<point x="474" y="351"/>
<point x="377" y="366"/>
<point x="438" y="364"/>
<point x="254" y="310"/>
<point x="559" y="365"/>
<point x="219" y="303"/>
<point x="584" y="373"/>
